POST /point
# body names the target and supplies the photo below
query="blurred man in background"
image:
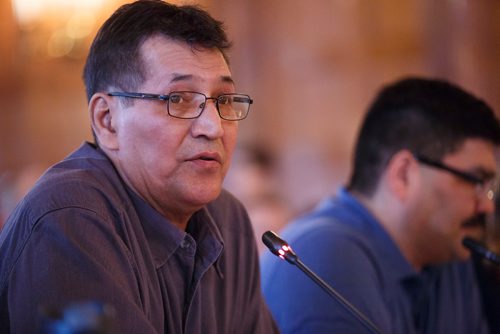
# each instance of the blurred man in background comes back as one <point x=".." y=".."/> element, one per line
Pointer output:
<point x="391" y="241"/>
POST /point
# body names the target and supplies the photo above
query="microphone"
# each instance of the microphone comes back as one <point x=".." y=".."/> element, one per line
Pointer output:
<point x="280" y="248"/>
<point x="478" y="248"/>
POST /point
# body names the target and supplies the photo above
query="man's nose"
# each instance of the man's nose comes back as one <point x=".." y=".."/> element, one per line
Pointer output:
<point x="209" y="123"/>
<point x="486" y="202"/>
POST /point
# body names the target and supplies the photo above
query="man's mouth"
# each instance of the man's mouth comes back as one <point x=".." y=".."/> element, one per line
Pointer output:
<point x="206" y="156"/>
<point x="476" y="221"/>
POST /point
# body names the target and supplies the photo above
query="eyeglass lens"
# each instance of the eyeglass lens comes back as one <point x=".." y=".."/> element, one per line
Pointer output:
<point x="488" y="189"/>
<point x="191" y="105"/>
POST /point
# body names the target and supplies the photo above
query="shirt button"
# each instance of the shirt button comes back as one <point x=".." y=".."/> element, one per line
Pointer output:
<point x="185" y="243"/>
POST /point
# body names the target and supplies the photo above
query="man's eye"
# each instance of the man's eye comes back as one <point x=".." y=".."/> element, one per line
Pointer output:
<point x="224" y="99"/>
<point x="175" y="99"/>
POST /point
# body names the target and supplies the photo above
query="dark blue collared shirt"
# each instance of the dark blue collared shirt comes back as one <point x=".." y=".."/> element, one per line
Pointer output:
<point x="81" y="234"/>
<point x="345" y="245"/>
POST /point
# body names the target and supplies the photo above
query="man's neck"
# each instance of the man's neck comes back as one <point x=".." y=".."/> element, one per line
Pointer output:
<point x="392" y="217"/>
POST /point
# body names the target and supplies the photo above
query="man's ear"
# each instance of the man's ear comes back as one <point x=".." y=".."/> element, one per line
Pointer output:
<point x="400" y="173"/>
<point x="102" y="110"/>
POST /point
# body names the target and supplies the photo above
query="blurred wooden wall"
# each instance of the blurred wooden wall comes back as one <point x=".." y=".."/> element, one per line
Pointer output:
<point x="311" y="66"/>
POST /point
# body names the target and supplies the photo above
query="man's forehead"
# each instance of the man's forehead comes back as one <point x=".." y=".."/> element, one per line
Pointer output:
<point x="166" y="62"/>
<point x="177" y="61"/>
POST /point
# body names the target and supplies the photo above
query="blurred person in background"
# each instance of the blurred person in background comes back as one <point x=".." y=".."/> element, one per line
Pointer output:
<point x="252" y="179"/>
<point x="138" y="220"/>
<point x="390" y="242"/>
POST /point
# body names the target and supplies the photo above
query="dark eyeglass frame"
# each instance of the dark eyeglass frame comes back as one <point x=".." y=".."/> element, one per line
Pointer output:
<point x="468" y="177"/>
<point x="484" y="186"/>
<point x="166" y="98"/>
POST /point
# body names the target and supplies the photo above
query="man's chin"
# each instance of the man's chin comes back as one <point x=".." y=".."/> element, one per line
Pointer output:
<point x="463" y="254"/>
<point x="204" y="196"/>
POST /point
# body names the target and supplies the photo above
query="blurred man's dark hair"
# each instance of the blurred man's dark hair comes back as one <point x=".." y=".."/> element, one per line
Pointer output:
<point x="427" y="117"/>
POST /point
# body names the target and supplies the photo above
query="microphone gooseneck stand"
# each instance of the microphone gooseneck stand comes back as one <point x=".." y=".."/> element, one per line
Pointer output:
<point x="280" y="248"/>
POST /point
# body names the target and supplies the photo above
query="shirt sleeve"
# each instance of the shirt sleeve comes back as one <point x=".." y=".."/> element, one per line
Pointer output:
<point x="71" y="256"/>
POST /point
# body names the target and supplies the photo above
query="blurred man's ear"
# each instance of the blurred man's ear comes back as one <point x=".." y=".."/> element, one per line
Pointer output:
<point x="399" y="172"/>
<point x="101" y="110"/>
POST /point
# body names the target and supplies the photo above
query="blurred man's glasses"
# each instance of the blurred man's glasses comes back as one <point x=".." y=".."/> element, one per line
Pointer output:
<point x="188" y="105"/>
<point x="484" y="186"/>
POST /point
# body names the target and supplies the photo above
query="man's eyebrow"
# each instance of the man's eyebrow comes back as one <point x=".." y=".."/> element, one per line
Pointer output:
<point x="176" y="77"/>
<point x="181" y="77"/>
<point x="228" y="79"/>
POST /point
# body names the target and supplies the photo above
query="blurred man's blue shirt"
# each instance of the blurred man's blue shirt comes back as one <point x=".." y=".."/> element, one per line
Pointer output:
<point x="347" y="247"/>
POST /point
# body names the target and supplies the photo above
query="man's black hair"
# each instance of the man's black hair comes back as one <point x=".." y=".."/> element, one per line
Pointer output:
<point x="425" y="116"/>
<point x="114" y="59"/>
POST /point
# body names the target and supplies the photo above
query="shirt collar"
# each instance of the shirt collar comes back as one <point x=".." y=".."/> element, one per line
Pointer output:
<point x="164" y="238"/>
<point x="208" y="237"/>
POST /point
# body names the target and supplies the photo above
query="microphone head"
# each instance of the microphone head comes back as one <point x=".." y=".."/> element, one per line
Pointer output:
<point x="279" y="247"/>
<point x="477" y="248"/>
<point x="469" y="243"/>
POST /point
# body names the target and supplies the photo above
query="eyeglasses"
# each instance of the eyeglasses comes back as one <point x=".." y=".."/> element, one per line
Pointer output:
<point x="484" y="186"/>
<point x="188" y="105"/>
